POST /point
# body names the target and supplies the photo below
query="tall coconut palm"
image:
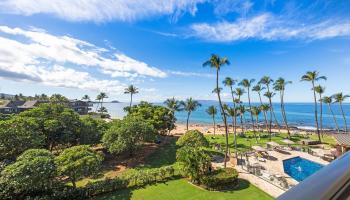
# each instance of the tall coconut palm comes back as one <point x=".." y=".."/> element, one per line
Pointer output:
<point x="229" y="82"/>
<point x="267" y="81"/>
<point x="329" y="100"/>
<point x="269" y="95"/>
<point x="217" y="62"/>
<point x="189" y="106"/>
<point x="246" y="83"/>
<point x="280" y="86"/>
<point x="320" y="90"/>
<point x="100" y="97"/>
<point x="173" y="105"/>
<point x="86" y="98"/>
<point x="241" y="111"/>
<point x="313" y="77"/>
<point x="265" y="108"/>
<point x="131" y="90"/>
<point x="212" y="111"/>
<point x="233" y="113"/>
<point x="258" y="88"/>
<point x="255" y="111"/>
<point x="339" y="98"/>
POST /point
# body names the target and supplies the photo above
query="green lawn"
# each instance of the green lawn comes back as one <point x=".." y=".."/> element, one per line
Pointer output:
<point x="244" y="143"/>
<point x="180" y="190"/>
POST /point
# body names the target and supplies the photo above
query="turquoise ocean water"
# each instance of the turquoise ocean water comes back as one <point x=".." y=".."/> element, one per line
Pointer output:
<point x="298" y="114"/>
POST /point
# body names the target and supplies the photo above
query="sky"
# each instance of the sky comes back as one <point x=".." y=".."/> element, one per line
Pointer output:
<point x="87" y="46"/>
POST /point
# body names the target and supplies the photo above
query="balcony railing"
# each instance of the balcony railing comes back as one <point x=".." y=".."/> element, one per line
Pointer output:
<point x="330" y="183"/>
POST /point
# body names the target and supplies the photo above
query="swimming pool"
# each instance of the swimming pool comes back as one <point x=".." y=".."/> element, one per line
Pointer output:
<point x="300" y="168"/>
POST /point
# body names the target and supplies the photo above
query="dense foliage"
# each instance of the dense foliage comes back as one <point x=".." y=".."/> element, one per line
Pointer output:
<point x="17" y="135"/>
<point x="220" y="179"/>
<point x="92" y="130"/>
<point x="194" y="162"/>
<point x="128" y="134"/>
<point x="59" y="124"/>
<point x="159" y="116"/>
<point x="193" y="138"/>
<point x="34" y="171"/>
<point x="77" y="162"/>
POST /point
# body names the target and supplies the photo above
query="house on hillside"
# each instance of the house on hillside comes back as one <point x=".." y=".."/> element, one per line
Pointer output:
<point x="81" y="107"/>
<point x="10" y="107"/>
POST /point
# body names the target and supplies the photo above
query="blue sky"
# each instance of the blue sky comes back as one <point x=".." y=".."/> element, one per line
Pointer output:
<point x="84" y="47"/>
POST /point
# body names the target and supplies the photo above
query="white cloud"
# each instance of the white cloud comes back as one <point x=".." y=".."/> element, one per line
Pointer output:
<point x="61" y="60"/>
<point x="101" y="11"/>
<point x="268" y="27"/>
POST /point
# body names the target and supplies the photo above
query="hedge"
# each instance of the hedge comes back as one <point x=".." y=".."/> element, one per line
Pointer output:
<point x="220" y="179"/>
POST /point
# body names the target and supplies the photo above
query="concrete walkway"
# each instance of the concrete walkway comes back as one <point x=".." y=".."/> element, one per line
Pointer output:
<point x="267" y="187"/>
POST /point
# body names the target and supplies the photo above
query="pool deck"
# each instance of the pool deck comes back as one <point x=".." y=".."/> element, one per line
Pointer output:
<point x="275" y="166"/>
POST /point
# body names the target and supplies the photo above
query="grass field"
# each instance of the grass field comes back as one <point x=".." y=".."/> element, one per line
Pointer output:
<point x="244" y="143"/>
<point x="180" y="190"/>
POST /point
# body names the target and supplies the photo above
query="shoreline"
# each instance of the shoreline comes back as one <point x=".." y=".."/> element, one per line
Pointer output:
<point x="205" y="128"/>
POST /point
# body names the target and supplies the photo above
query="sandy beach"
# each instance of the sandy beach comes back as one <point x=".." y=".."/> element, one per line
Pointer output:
<point x="220" y="129"/>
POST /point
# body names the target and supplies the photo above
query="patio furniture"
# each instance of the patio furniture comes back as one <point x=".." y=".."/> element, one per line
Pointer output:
<point x="273" y="145"/>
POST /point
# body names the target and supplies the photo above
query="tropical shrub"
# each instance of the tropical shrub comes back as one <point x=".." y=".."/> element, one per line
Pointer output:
<point x="194" y="162"/>
<point x="159" y="116"/>
<point x="77" y="162"/>
<point x="33" y="172"/>
<point x="127" y="135"/>
<point x="17" y="135"/>
<point x="220" y="179"/>
<point x="193" y="138"/>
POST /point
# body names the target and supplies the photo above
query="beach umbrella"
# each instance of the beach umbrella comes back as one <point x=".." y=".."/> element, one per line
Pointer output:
<point x="259" y="148"/>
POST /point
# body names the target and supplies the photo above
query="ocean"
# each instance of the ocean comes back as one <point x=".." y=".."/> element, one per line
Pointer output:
<point x="299" y="115"/>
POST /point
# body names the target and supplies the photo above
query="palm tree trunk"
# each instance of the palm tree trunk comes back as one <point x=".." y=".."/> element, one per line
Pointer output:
<point x="223" y="114"/>
<point x="257" y="125"/>
<point x="130" y="99"/>
<point x="270" y="125"/>
<point x="273" y="113"/>
<point x="316" y="116"/>
<point x="214" y="123"/>
<point x="321" y="117"/>
<point x="342" y="111"/>
<point x="242" y="128"/>
<point x="264" y="112"/>
<point x="284" y="116"/>
<point x="234" y="124"/>
<point x="188" y="118"/>
<point x="335" y="120"/>
<point x="251" y="115"/>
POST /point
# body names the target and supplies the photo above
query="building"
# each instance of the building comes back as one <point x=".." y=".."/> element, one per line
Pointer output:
<point x="81" y="107"/>
<point x="10" y="107"/>
<point x="17" y="106"/>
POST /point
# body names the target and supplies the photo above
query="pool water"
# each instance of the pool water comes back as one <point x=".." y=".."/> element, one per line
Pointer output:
<point x="300" y="168"/>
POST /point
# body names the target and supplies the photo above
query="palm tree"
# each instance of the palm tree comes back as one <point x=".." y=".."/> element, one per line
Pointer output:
<point x="266" y="80"/>
<point x="328" y="100"/>
<point x="98" y="98"/>
<point x="102" y="96"/>
<point x="229" y="82"/>
<point x="339" y="98"/>
<point x="269" y="95"/>
<point x="280" y="85"/>
<point x="173" y="105"/>
<point x="241" y="110"/>
<point x="313" y="76"/>
<point x="258" y="88"/>
<point x="59" y="99"/>
<point x="131" y="90"/>
<point x="320" y="90"/>
<point x="217" y="62"/>
<point x="86" y="97"/>
<point x="247" y="84"/>
<point x="255" y="111"/>
<point x="265" y="108"/>
<point x="190" y="105"/>
<point x="212" y="111"/>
